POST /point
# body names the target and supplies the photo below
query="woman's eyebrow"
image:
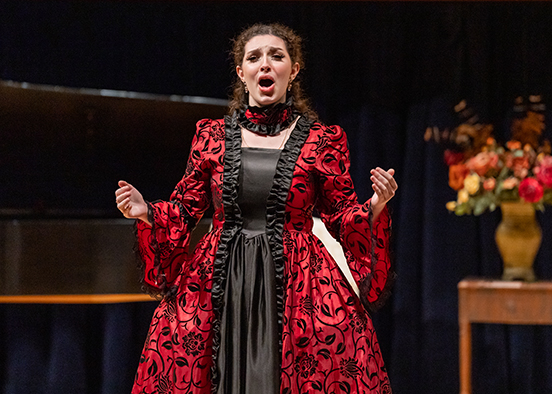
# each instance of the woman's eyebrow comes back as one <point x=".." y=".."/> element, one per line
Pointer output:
<point x="270" y="49"/>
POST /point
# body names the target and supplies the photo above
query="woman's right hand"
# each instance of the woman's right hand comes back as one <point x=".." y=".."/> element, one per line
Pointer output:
<point x="130" y="202"/>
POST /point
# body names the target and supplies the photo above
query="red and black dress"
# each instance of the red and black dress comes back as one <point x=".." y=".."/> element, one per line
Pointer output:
<point x="260" y="306"/>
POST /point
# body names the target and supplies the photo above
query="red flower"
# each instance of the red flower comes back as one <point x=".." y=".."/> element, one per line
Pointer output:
<point x="457" y="174"/>
<point x="544" y="171"/>
<point x="452" y="157"/>
<point x="531" y="190"/>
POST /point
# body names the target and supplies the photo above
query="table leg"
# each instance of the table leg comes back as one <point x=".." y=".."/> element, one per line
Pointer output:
<point x="465" y="357"/>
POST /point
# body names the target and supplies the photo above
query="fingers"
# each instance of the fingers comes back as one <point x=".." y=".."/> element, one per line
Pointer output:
<point x="382" y="176"/>
<point x="123" y="196"/>
<point x="383" y="183"/>
<point x="124" y="187"/>
<point x="124" y="206"/>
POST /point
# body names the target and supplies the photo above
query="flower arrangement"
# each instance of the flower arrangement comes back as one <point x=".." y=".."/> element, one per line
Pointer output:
<point x="486" y="174"/>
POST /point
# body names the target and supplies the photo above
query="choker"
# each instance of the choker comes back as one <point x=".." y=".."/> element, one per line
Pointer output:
<point x="270" y="120"/>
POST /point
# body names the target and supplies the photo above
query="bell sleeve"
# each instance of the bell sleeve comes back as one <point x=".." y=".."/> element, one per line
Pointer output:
<point x="365" y="245"/>
<point x="162" y="248"/>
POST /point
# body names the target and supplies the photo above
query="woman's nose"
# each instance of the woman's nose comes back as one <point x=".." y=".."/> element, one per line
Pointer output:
<point x="265" y="66"/>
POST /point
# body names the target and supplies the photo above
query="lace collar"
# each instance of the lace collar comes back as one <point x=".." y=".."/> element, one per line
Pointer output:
<point x="270" y="120"/>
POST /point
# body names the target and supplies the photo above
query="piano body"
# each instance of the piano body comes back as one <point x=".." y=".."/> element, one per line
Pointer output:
<point x="62" y="151"/>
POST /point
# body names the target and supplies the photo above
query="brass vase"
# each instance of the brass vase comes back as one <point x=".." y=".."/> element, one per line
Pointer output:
<point x="518" y="237"/>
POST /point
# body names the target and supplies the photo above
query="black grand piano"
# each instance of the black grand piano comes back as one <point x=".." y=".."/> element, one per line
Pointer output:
<point x="62" y="151"/>
<point x="73" y="318"/>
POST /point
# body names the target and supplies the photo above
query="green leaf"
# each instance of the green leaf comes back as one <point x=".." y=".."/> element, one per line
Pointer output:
<point x="481" y="205"/>
<point x="547" y="198"/>
<point x="504" y="173"/>
<point x="461" y="209"/>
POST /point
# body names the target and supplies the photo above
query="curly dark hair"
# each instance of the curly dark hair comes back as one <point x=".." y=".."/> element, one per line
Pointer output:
<point x="294" y="47"/>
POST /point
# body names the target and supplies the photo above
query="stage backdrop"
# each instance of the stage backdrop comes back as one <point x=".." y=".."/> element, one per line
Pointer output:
<point x="383" y="70"/>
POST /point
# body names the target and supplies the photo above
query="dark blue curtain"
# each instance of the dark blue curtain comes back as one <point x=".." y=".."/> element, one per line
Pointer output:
<point x="385" y="71"/>
<point x="71" y="348"/>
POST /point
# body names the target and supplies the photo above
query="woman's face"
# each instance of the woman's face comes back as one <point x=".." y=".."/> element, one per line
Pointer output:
<point x="266" y="69"/>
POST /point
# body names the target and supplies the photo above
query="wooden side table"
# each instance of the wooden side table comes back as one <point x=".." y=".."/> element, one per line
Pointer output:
<point x="501" y="302"/>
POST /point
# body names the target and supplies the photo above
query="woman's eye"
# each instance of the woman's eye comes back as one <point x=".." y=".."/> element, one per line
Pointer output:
<point x="252" y="58"/>
<point x="279" y="57"/>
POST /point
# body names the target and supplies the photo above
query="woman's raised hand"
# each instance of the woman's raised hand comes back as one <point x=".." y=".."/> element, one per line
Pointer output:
<point x="384" y="186"/>
<point x="130" y="202"/>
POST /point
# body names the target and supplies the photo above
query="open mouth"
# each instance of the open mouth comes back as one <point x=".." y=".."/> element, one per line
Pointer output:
<point x="266" y="82"/>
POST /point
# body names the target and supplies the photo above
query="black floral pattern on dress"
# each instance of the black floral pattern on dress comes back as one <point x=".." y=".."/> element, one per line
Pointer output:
<point x="349" y="368"/>
<point x="164" y="385"/>
<point x="358" y="322"/>
<point x="165" y="249"/>
<point x="315" y="264"/>
<point x="204" y="270"/>
<point x="308" y="307"/>
<point x="170" y="310"/>
<point x="193" y="343"/>
<point x="217" y="132"/>
<point x="288" y="241"/>
<point x="305" y="364"/>
<point x="322" y="144"/>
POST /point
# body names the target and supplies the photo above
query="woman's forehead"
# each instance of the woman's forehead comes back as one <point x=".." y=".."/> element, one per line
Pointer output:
<point x="265" y="41"/>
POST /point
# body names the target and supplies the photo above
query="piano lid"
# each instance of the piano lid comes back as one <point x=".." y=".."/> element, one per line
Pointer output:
<point x="63" y="149"/>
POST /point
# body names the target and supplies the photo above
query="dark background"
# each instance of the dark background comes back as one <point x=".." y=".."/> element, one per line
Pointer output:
<point x="385" y="71"/>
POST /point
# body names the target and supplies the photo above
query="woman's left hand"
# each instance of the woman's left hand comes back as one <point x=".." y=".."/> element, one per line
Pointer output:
<point x="384" y="186"/>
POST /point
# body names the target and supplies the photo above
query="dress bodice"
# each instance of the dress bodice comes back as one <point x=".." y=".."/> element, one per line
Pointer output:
<point x="258" y="166"/>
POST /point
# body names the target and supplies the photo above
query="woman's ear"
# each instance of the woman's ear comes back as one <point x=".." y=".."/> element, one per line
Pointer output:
<point x="295" y="70"/>
<point x="239" y="71"/>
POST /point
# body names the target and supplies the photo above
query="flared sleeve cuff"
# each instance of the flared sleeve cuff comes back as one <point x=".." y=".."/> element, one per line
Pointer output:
<point x="161" y="249"/>
<point x="368" y="254"/>
<point x="375" y="287"/>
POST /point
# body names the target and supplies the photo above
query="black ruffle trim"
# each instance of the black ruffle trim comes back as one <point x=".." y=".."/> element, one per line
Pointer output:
<point x="276" y="206"/>
<point x="365" y="285"/>
<point x="284" y="110"/>
<point x="232" y="222"/>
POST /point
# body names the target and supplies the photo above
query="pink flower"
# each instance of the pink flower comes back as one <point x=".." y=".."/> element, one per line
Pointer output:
<point x="489" y="184"/>
<point x="521" y="166"/>
<point x="510" y="183"/>
<point x="544" y="171"/>
<point x="482" y="162"/>
<point x="531" y="190"/>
